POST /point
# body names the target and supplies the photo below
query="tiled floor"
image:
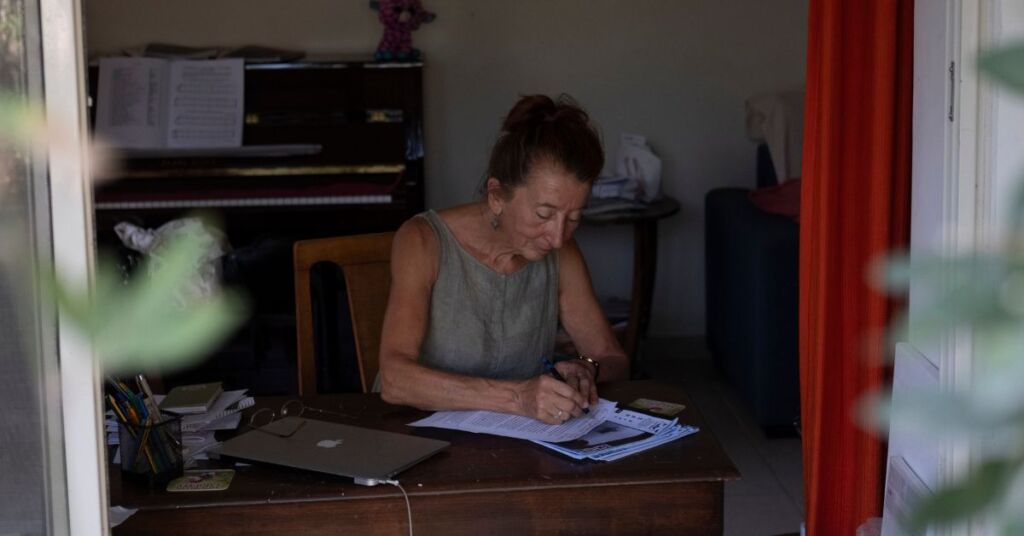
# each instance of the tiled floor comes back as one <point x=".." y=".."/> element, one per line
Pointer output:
<point x="768" y="500"/>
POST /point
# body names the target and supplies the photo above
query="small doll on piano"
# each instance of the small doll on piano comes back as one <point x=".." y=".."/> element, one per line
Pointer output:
<point x="400" y="18"/>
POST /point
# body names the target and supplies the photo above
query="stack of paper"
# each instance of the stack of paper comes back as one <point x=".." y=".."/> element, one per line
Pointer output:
<point x="624" y="433"/>
<point x="607" y="433"/>
<point x="224" y="413"/>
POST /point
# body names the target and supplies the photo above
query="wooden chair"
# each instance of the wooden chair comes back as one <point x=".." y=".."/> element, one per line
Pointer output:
<point x="365" y="262"/>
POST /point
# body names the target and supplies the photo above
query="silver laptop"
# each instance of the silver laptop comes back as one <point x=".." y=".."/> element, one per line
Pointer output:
<point x="327" y="447"/>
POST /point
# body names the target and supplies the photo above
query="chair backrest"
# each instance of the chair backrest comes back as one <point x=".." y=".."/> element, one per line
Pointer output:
<point x="365" y="262"/>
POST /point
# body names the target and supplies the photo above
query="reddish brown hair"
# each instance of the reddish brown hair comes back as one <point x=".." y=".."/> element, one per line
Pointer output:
<point x="541" y="130"/>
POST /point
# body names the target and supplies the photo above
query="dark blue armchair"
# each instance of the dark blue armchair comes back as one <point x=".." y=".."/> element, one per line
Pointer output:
<point x="752" y="294"/>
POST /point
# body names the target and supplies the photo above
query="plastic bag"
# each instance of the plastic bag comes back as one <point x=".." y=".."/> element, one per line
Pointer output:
<point x="636" y="161"/>
<point x="149" y="242"/>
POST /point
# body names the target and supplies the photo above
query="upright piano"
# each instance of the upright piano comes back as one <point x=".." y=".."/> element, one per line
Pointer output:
<point x="351" y="161"/>
<point x="346" y="157"/>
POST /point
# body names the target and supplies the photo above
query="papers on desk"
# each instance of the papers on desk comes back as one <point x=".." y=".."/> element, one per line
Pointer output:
<point x="224" y="414"/>
<point x="612" y="441"/>
<point x="119" y="514"/>
<point x="197" y="430"/>
<point x="607" y="433"/>
<point x="504" y="424"/>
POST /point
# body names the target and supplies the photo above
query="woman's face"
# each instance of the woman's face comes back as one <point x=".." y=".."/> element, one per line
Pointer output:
<point x="543" y="212"/>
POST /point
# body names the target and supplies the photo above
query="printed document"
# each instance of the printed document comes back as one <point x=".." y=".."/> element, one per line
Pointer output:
<point x="607" y="433"/>
<point x="504" y="424"/>
<point x="150" y="103"/>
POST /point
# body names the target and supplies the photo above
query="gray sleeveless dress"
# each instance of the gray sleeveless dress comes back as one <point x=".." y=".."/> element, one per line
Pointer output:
<point x="487" y="324"/>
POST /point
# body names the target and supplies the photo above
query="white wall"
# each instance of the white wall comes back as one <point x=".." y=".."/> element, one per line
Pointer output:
<point x="677" y="71"/>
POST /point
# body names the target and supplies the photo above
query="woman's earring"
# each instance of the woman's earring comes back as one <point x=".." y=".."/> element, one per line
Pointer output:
<point x="495" y="222"/>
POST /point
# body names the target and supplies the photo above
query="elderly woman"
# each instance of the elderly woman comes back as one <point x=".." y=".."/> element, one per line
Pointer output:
<point x="477" y="290"/>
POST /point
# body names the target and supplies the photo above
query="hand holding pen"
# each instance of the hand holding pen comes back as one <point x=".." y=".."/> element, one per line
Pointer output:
<point x="547" y="399"/>
<point x="576" y="375"/>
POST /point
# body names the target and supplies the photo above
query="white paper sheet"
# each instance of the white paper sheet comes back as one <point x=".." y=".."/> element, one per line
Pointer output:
<point x="119" y="514"/>
<point x="641" y="421"/>
<point x="670" y="434"/>
<point x="206" y="107"/>
<point x="608" y="452"/>
<point x="130" y="108"/>
<point x="209" y="420"/>
<point x="503" y="424"/>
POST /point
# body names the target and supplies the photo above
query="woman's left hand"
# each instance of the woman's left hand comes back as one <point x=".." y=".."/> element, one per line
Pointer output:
<point x="580" y="376"/>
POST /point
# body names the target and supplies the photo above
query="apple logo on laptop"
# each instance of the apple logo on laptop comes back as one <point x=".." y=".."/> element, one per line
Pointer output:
<point x="329" y="443"/>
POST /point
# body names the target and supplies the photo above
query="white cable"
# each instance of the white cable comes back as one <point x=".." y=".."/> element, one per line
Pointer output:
<point x="408" y="507"/>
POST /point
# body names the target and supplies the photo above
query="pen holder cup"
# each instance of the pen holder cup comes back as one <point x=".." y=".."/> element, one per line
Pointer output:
<point x="151" y="453"/>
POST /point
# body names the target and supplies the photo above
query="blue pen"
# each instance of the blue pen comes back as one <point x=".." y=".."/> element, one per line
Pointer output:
<point x="549" y="367"/>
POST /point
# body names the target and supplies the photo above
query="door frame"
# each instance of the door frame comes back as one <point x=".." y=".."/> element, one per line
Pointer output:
<point x="65" y="90"/>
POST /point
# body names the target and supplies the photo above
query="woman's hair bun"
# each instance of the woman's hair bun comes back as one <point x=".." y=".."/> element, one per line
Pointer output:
<point x="539" y="128"/>
<point x="529" y="111"/>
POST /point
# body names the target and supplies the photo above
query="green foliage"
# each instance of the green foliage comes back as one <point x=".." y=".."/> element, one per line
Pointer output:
<point x="981" y="293"/>
<point x="1005" y="65"/>
<point x="18" y="120"/>
<point x="971" y="496"/>
<point x="144" y="324"/>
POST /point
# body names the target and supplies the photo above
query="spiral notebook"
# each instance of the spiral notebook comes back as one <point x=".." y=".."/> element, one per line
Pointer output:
<point x="229" y="403"/>
<point x="212" y="421"/>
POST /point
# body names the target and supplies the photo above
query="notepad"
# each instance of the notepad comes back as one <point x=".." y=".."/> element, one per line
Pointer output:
<point x="187" y="399"/>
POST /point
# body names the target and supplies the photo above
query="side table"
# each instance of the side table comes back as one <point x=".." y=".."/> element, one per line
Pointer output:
<point x="645" y="262"/>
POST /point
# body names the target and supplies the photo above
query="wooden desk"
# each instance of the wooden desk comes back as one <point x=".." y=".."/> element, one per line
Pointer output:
<point x="645" y="263"/>
<point x="480" y="485"/>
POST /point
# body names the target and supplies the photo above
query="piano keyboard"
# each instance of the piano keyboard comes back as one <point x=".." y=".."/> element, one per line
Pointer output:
<point x="257" y="202"/>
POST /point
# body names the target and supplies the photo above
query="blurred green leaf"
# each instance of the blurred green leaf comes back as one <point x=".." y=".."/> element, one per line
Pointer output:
<point x="937" y="415"/>
<point x="965" y="498"/>
<point x="970" y="291"/>
<point x="19" y="120"/>
<point x="146" y="324"/>
<point x="1017" y="212"/>
<point x="1005" y="64"/>
<point x="981" y="295"/>
<point x="175" y="340"/>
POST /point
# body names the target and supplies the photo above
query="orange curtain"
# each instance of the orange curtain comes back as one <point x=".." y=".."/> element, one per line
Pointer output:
<point x="855" y="207"/>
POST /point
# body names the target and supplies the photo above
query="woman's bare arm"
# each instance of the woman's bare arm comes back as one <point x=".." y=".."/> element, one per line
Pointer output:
<point x="582" y="317"/>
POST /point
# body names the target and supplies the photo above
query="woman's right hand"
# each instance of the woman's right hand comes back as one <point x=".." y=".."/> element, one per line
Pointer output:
<point x="549" y="400"/>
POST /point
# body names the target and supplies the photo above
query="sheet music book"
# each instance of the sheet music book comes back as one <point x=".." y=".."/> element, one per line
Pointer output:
<point x="148" y="103"/>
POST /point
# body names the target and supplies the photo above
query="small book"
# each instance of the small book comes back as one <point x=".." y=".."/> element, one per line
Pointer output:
<point x="186" y="399"/>
<point x="202" y="480"/>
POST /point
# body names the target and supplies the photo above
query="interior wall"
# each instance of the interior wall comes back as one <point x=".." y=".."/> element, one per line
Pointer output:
<point x="677" y="71"/>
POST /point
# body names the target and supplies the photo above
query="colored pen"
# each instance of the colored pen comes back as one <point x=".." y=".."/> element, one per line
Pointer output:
<point x="117" y="409"/>
<point x="150" y="402"/>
